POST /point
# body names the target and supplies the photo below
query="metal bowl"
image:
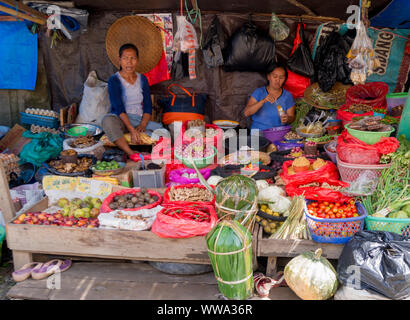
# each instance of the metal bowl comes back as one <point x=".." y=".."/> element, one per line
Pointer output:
<point x="92" y="130"/>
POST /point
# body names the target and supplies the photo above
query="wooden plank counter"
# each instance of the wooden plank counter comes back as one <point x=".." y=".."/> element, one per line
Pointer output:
<point x="274" y="249"/>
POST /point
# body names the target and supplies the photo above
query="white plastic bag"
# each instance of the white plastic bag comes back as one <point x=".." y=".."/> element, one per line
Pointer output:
<point x="185" y="37"/>
<point x="95" y="102"/>
<point x="96" y="150"/>
<point x="277" y="29"/>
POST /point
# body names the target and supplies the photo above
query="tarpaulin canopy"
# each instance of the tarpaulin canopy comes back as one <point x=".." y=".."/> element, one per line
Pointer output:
<point x="395" y="15"/>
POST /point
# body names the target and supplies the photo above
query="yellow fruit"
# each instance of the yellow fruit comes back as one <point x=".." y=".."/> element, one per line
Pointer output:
<point x="276" y="214"/>
<point x="267" y="229"/>
<point x="258" y="219"/>
<point x="269" y="211"/>
<point x="264" y="207"/>
<point x="272" y="225"/>
<point x="264" y="223"/>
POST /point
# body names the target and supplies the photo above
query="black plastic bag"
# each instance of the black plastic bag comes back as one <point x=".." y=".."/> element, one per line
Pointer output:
<point x="180" y="66"/>
<point x="215" y="42"/>
<point x="377" y="261"/>
<point x="301" y="60"/>
<point x="249" y="49"/>
<point x="230" y="169"/>
<point x="331" y="62"/>
<point x="114" y="154"/>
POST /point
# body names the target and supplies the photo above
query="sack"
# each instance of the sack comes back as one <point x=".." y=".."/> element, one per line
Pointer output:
<point x="95" y="103"/>
<point x="42" y="147"/>
<point x="329" y="172"/>
<point x="352" y="150"/>
<point x="300" y="61"/>
<point x="347" y="116"/>
<point x="214" y="43"/>
<point x="249" y="49"/>
<point x="378" y="262"/>
<point x="182" y="109"/>
<point x="317" y="193"/>
<point x="173" y="222"/>
<point x="159" y="73"/>
<point x="372" y="94"/>
<point x="277" y="29"/>
<point x="185" y="37"/>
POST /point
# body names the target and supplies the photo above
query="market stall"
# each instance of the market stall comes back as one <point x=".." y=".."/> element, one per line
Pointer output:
<point x="308" y="166"/>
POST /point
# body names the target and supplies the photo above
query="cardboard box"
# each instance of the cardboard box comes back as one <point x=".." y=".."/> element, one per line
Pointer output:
<point x="14" y="140"/>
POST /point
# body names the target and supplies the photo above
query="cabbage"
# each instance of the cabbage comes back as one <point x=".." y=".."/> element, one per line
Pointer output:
<point x="262" y="184"/>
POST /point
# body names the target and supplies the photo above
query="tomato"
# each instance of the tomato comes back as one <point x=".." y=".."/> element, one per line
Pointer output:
<point x="332" y="216"/>
<point x="349" y="215"/>
<point x="334" y="210"/>
<point x="338" y="215"/>
<point x="343" y="216"/>
<point x="326" y="203"/>
<point x="351" y="202"/>
<point x="337" y="204"/>
<point x="331" y="205"/>
<point x="355" y="215"/>
<point x="314" y="204"/>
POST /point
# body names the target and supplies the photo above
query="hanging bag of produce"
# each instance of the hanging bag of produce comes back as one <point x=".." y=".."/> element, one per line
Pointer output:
<point x="230" y="251"/>
<point x="277" y="29"/>
<point x="184" y="221"/>
<point x="300" y="61"/>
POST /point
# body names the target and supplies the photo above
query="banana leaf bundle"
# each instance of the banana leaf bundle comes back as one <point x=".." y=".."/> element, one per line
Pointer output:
<point x="230" y="251"/>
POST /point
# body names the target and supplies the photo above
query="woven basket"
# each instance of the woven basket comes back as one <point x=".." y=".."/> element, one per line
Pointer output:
<point x="142" y="33"/>
<point x="315" y="86"/>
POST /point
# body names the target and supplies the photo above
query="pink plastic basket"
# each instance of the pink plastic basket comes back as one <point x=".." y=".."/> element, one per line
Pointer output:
<point x="350" y="172"/>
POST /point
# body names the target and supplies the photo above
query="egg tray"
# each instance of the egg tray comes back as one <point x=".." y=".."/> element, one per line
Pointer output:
<point x="43" y="121"/>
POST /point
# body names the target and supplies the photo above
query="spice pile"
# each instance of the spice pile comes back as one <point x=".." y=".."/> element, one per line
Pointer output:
<point x="193" y="194"/>
<point x="369" y="124"/>
<point x="196" y="213"/>
<point x="83" y="142"/>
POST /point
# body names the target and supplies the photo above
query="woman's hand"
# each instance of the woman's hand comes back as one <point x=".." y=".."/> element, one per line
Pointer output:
<point x="284" y="118"/>
<point x="134" y="136"/>
<point x="270" y="98"/>
<point x="140" y="128"/>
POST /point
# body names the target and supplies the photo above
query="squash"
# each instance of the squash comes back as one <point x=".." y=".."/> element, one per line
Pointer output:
<point x="311" y="276"/>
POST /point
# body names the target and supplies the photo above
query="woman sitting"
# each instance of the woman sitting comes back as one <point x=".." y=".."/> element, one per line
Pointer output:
<point x="131" y="105"/>
<point x="271" y="106"/>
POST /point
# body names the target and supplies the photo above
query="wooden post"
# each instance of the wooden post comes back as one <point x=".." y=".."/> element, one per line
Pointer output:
<point x="17" y="14"/>
<point x="6" y="204"/>
<point x="26" y="9"/>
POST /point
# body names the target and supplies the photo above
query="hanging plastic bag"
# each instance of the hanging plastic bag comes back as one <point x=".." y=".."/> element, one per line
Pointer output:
<point x="159" y="73"/>
<point x="378" y="262"/>
<point x="215" y="41"/>
<point x="300" y="61"/>
<point x="361" y="56"/>
<point x="187" y="176"/>
<point x="277" y="29"/>
<point x="186" y="41"/>
<point x="249" y="49"/>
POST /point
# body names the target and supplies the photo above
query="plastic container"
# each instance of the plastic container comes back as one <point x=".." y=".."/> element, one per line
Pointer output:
<point x="283" y="146"/>
<point x="77" y="131"/>
<point x="276" y="133"/>
<point x="350" y="172"/>
<point x="395" y="99"/>
<point x="338" y="231"/>
<point x="332" y="155"/>
<point x="148" y="178"/>
<point x="376" y="114"/>
<point x="200" y="163"/>
<point x="399" y="226"/>
<point x="368" y="137"/>
<point x="35" y="119"/>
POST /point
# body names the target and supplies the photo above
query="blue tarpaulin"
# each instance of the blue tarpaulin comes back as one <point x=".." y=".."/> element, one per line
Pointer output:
<point x="396" y="16"/>
<point x="18" y="56"/>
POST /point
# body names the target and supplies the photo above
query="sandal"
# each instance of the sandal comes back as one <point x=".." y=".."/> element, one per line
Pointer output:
<point x="46" y="269"/>
<point x="25" y="271"/>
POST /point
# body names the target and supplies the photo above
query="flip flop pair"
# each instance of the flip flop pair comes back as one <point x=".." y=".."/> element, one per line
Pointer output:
<point x="40" y="271"/>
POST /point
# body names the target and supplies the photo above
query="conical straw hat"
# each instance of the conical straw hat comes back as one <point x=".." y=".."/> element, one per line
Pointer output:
<point x="142" y="33"/>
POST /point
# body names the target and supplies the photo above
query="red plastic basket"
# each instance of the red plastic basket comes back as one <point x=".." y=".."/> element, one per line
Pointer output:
<point x="350" y="172"/>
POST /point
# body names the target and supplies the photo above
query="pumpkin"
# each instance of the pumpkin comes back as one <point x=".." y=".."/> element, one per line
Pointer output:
<point x="230" y="252"/>
<point x="311" y="276"/>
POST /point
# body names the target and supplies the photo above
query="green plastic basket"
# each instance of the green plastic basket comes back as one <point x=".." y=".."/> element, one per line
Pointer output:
<point x="399" y="226"/>
<point x="77" y="131"/>
<point x="200" y="163"/>
<point x="368" y="137"/>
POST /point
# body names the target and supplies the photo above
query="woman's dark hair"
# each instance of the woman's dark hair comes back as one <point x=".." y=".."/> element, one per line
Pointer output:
<point x="276" y="66"/>
<point x="128" y="46"/>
